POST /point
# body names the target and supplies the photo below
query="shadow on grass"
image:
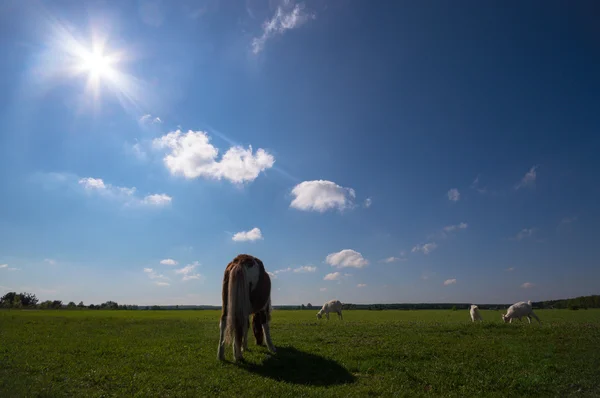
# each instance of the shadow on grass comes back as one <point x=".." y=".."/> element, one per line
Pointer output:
<point x="298" y="367"/>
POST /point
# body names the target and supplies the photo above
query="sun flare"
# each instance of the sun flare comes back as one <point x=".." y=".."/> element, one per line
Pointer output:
<point x="96" y="64"/>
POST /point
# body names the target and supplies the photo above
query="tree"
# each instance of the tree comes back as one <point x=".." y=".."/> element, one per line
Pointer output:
<point x="302" y="307"/>
<point x="80" y="305"/>
<point x="309" y="306"/>
<point x="71" y="305"/>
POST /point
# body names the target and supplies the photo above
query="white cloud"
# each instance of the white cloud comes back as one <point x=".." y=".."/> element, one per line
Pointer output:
<point x="6" y="267"/>
<point x="188" y="272"/>
<point x="192" y="155"/>
<point x="368" y="202"/>
<point x="525" y="233"/>
<point x="3" y="265"/>
<point x="346" y="258"/>
<point x="510" y="269"/>
<point x="162" y="284"/>
<point x="527" y="285"/>
<point x="286" y="17"/>
<point x="334" y="276"/>
<point x="321" y="195"/>
<point x="168" y="261"/>
<point x="248" y="236"/>
<point x="528" y="179"/>
<point x="451" y="228"/>
<point x="449" y="282"/>
<point x="124" y="194"/>
<point x="153" y="275"/>
<point x="50" y="261"/>
<point x="361" y="285"/>
<point x="426" y="248"/>
<point x="323" y="289"/>
<point x="272" y="274"/>
<point x="148" y="119"/>
<point x="453" y="195"/>
<point x="393" y="259"/>
<point x="305" y="268"/>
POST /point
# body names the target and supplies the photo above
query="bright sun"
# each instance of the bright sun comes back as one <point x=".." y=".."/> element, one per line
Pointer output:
<point x="96" y="64"/>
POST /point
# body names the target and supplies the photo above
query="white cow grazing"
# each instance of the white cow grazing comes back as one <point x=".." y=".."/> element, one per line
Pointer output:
<point x="519" y="310"/>
<point x="331" y="306"/>
<point x="475" y="314"/>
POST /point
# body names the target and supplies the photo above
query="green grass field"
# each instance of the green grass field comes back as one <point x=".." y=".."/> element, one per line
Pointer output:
<point x="369" y="353"/>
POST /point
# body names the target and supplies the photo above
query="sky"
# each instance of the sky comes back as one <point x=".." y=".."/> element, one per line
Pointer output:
<point x="408" y="152"/>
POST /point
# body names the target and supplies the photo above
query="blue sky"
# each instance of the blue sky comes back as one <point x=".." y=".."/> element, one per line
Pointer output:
<point x="399" y="153"/>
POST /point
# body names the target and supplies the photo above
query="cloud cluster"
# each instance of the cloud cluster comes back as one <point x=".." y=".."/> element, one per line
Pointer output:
<point x="305" y="268"/>
<point x="124" y="194"/>
<point x="248" y="236"/>
<point x="346" y="258"/>
<point x="449" y="282"/>
<point x="192" y="155"/>
<point x="453" y="195"/>
<point x="451" y="228"/>
<point x="426" y="248"/>
<point x="168" y="261"/>
<point x="188" y="272"/>
<point x="321" y="196"/>
<point x="286" y="17"/>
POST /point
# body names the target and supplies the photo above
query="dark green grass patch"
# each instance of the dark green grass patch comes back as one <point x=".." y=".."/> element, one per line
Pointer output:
<point x="369" y="353"/>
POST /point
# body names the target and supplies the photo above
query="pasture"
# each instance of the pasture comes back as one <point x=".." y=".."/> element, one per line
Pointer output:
<point x="369" y="353"/>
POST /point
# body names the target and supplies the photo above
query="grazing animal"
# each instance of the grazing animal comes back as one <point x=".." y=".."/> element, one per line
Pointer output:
<point x="331" y="306"/>
<point x="246" y="291"/>
<point x="475" y="314"/>
<point x="519" y="310"/>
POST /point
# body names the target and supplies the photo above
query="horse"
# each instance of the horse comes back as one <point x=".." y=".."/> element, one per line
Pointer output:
<point x="246" y="291"/>
<point x="331" y="306"/>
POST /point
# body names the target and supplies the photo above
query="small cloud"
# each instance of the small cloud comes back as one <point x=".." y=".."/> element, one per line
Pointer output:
<point x="272" y="274"/>
<point x="323" y="289"/>
<point x="426" y="248"/>
<point x="368" y="202"/>
<point x="510" y="269"/>
<point x="453" y="195"/>
<point x="525" y="233"/>
<point x="286" y="18"/>
<point x="321" y="196"/>
<point x="392" y="259"/>
<point x="449" y="282"/>
<point x="528" y="179"/>
<point x="305" y="268"/>
<point x="3" y="265"/>
<point x="475" y="185"/>
<point x="334" y="276"/>
<point x="460" y="226"/>
<point x="248" y="236"/>
<point x="168" y="261"/>
<point x="279" y="271"/>
<point x="346" y="258"/>
<point x="50" y="261"/>
<point x="157" y="199"/>
<point x="188" y="272"/>
<point x="527" y="285"/>
<point x="148" y="119"/>
<point x="162" y="284"/>
<point x="361" y="285"/>
<point x="6" y="267"/>
<point x="192" y="155"/>
<point x="153" y="275"/>
<point x="124" y="194"/>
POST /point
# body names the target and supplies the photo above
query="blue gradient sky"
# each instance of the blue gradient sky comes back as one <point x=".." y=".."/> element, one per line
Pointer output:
<point x="399" y="153"/>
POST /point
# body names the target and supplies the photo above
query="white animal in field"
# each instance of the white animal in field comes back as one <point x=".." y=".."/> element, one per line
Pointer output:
<point x="475" y="314"/>
<point x="519" y="310"/>
<point x="331" y="306"/>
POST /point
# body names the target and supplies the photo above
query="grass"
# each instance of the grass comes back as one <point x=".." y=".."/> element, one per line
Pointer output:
<point x="370" y="353"/>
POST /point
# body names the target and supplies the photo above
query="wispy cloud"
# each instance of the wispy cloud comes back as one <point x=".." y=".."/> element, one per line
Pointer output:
<point x="476" y="185"/>
<point x="346" y="258"/>
<point x="168" y="261"/>
<point x="128" y="196"/>
<point x="525" y="233"/>
<point x="7" y="268"/>
<point x="154" y="275"/>
<point x="334" y="276"/>
<point x="456" y="227"/>
<point x="305" y="268"/>
<point x="192" y="155"/>
<point x="323" y="289"/>
<point x="453" y="195"/>
<point x="426" y="248"/>
<point x="188" y="272"/>
<point x="361" y="285"/>
<point x="321" y="196"/>
<point x="162" y="284"/>
<point x="248" y="236"/>
<point x="368" y="202"/>
<point x="449" y="282"/>
<point x="50" y="261"/>
<point x="528" y="179"/>
<point x="149" y="119"/>
<point x="392" y="259"/>
<point x="510" y="269"/>
<point x="527" y="285"/>
<point x="287" y="16"/>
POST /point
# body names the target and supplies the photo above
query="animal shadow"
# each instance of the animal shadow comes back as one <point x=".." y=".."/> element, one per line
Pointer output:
<point x="298" y="367"/>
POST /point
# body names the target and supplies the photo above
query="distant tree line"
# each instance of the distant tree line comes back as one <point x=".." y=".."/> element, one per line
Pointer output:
<point x="29" y="300"/>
